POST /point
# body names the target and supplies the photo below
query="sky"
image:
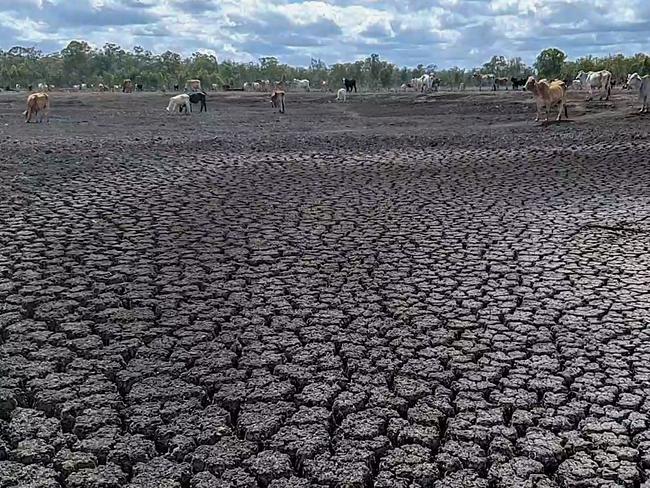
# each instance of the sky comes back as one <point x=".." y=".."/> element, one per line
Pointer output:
<point x="464" y="33"/>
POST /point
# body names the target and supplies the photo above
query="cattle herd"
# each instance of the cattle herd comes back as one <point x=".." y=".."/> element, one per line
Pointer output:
<point x="547" y="93"/>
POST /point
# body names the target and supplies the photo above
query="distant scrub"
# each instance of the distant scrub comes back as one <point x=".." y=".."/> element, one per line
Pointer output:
<point x="80" y="63"/>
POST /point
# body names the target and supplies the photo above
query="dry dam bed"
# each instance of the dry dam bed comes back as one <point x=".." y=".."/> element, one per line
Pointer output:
<point x="400" y="291"/>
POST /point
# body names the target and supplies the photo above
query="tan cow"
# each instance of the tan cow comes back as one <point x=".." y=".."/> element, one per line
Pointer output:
<point x="193" y="85"/>
<point x="548" y="94"/>
<point x="127" y="86"/>
<point x="501" y="83"/>
<point x="37" y="102"/>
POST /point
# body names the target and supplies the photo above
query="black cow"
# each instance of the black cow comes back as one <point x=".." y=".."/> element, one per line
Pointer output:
<point x="350" y="84"/>
<point x="517" y="82"/>
<point x="196" y="97"/>
<point x="176" y="87"/>
<point x="138" y="87"/>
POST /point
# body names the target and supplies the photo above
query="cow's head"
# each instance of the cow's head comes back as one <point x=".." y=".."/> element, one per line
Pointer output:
<point x="530" y="83"/>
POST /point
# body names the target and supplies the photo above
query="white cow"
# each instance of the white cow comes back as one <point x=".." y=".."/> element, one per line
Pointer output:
<point x="84" y="86"/>
<point x="576" y="85"/>
<point x="461" y="87"/>
<point x="303" y="84"/>
<point x="600" y="80"/>
<point x="342" y="94"/>
<point x="179" y="101"/>
<point x="425" y="82"/>
<point x="642" y="85"/>
<point x="215" y="87"/>
<point x="248" y="86"/>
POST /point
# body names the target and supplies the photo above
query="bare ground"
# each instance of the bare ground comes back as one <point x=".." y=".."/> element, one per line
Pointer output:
<point x="399" y="291"/>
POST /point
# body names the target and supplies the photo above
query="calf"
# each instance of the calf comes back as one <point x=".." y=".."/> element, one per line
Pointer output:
<point x="277" y="100"/>
<point x="37" y="102"/>
<point x="342" y="94"/>
<point x="177" y="103"/>
<point x="548" y="94"/>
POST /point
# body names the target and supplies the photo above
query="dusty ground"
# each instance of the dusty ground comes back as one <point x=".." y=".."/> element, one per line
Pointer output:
<point x="397" y="292"/>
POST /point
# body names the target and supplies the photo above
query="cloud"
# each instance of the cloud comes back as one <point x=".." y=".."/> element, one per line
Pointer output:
<point x="408" y="32"/>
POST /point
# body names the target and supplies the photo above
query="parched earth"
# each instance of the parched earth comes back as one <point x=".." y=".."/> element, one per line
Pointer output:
<point x="402" y="291"/>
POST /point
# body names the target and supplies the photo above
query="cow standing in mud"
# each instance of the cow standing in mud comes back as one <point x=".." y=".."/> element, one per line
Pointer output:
<point x="277" y="100"/>
<point x="350" y="85"/>
<point x="198" y="97"/>
<point x="37" y="103"/>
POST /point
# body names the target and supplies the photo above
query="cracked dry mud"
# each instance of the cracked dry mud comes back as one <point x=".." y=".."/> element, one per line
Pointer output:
<point x="395" y="292"/>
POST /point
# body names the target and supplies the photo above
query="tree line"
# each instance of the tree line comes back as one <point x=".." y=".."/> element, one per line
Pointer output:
<point x="79" y="63"/>
<point x="552" y="63"/>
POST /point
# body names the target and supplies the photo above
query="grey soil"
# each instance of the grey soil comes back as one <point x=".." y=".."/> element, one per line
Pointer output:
<point x="400" y="291"/>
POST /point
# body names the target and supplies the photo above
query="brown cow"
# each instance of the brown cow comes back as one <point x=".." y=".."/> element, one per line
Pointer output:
<point x="277" y="100"/>
<point x="37" y="102"/>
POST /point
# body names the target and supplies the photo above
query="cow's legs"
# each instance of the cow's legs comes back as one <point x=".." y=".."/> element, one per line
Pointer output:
<point x="539" y="111"/>
<point x="559" y="114"/>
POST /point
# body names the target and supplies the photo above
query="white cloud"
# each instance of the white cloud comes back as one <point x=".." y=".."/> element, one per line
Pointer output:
<point x="444" y="32"/>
